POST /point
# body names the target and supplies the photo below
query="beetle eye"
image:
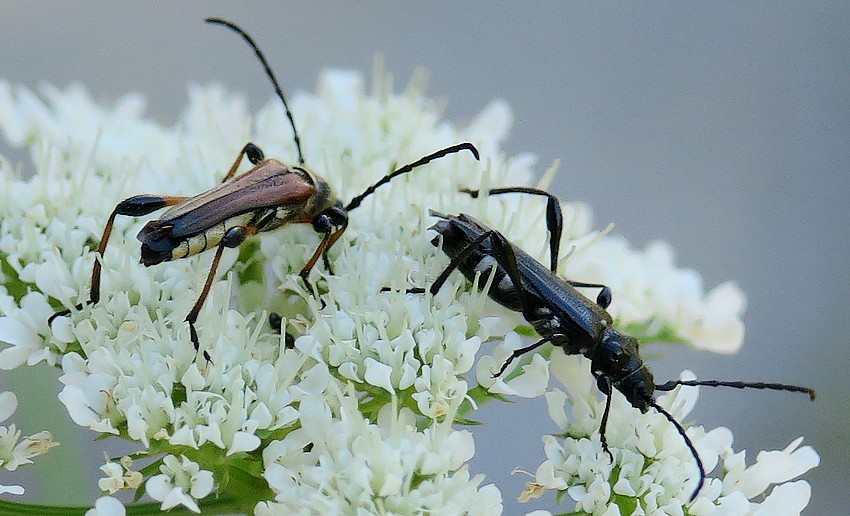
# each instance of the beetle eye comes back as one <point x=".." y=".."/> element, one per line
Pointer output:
<point x="322" y="223"/>
<point x="620" y="358"/>
<point x="615" y="356"/>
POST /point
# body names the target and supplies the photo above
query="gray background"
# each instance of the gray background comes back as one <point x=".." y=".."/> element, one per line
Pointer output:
<point x="720" y="128"/>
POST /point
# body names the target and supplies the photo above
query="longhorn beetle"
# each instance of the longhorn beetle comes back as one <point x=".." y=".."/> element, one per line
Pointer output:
<point x="266" y="197"/>
<point x="561" y="314"/>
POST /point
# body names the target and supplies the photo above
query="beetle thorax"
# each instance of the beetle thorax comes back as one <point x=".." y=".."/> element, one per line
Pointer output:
<point x="322" y="199"/>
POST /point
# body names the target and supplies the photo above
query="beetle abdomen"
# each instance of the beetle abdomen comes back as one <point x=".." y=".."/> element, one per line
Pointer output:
<point x="158" y="245"/>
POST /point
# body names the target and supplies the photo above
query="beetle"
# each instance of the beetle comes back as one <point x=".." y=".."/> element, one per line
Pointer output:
<point x="264" y="198"/>
<point x="561" y="314"/>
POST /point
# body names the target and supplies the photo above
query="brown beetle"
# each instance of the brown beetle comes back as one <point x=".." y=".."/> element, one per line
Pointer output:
<point x="266" y="197"/>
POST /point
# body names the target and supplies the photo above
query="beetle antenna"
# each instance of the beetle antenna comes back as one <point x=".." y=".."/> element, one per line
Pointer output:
<point x="669" y="386"/>
<point x="688" y="443"/>
<point x="235" y="28"/>
<point x="355" y="202"/>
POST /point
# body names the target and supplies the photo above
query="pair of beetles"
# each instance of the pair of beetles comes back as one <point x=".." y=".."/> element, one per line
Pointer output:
<point x="273" y="194"/>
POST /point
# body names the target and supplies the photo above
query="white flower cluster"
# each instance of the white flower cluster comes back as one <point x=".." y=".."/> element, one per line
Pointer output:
<point x="653" y="471"/>
<point x="386" y="467"/>
<point x="14" y="451"/>
<point x="180" y="483"/>
<point x="358" y="415"/>
<point x="119" y="475"/>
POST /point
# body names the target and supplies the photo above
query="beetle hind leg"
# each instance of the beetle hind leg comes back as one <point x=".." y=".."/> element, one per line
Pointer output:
<point x="555" y="226"/>
<point x="554" y="217"/>
<point x="135" y="206"/>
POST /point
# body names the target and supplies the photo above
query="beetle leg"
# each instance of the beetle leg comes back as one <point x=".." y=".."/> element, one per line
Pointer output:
<point x="503" y="251"/>
<point x="323" y="224"/>
<point x="606" y="381"/>
<point x="554" y="217"/>
<point x="504" y="254"/>
<point x="135" y="206"/>
<point x="255" y="156"/>
<point x="327" y="261"/>
<point x="332" y="240"/>
<point x="305" y="272"/>
<point x="233" y="237"/>
<point x="555" y="225"/>
<point x="327" y="241"/>
<point x="522" y="351"/>
<point x="604" y="297"/>
<point x="454" y="263"/>
<point x="276" y="323"/>
<point x="196" y="309"/>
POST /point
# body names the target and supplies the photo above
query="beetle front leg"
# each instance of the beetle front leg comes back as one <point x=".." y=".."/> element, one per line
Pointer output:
<point x="324" y="223"/>
<point x="604" y="385"/>
<point x="327" y="241"/>
<point x="135" y="206"/>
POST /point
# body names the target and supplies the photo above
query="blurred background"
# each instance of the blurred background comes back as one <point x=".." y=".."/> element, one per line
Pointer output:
<point x="723" y="129"/>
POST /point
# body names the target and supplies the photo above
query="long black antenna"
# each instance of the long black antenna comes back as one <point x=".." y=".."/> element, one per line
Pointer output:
<point x="669" y="386"/>
<point x="688" y="442"/>
<point x="672" y="384"/>
<point x="235" y="28"/>
<point x="410" y="166"/>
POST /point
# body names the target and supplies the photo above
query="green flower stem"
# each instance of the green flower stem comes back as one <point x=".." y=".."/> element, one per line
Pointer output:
<point x="223" y="505"/>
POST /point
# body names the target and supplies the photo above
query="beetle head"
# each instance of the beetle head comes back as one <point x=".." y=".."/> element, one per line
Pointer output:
<point x="616" y="360"/>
